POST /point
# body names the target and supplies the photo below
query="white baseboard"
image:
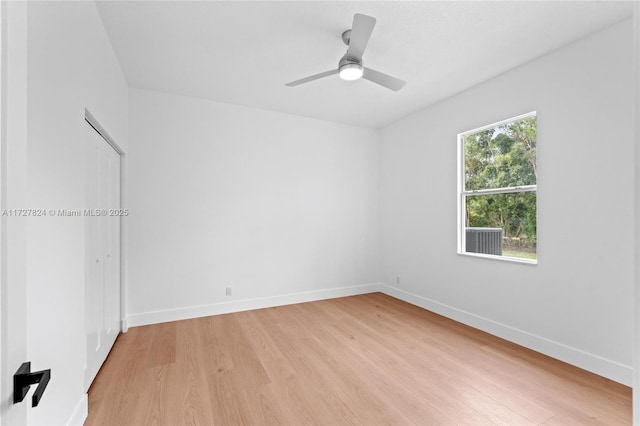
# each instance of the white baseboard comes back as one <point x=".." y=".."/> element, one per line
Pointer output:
<point x="155" y="317"/>
<point x="590" y="362"/>
<point x="81" y="412"/>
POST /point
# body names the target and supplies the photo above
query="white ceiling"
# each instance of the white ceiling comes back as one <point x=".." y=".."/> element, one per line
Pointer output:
<point x="244" y="52"/>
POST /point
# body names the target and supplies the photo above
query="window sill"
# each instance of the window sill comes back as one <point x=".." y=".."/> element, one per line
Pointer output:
<point x="500" y="258"/>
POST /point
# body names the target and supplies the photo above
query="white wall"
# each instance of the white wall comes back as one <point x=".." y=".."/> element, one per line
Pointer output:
<point x="282" y="208"/>
<point x="70" y="66"/>
<point x="577" y="303"/>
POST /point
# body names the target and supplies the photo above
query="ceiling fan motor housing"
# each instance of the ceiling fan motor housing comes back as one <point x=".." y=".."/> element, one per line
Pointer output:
<point x="345" y="60"/>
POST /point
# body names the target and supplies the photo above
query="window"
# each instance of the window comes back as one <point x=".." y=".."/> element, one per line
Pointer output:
<point x="497" y="190"/>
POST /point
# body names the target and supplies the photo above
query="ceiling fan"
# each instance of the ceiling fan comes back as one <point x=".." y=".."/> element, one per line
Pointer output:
<point x="350" y="65"/>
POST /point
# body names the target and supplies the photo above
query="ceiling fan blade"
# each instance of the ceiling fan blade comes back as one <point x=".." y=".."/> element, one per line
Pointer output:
<point x="360" y="34"/>
<point x="383" y="79"/>
<point x="313" y="77"/>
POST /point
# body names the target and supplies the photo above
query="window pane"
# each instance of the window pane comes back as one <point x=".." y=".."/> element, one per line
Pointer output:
<point x="501" y="224"/>
<point x="502" y="156"/>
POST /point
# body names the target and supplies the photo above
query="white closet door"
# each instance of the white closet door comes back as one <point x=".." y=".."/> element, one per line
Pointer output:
<point x="102" y="251"/>
<point x="112" y="262"/>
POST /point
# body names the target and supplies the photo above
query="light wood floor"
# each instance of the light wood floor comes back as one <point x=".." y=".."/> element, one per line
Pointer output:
<point x="368" y="359"/>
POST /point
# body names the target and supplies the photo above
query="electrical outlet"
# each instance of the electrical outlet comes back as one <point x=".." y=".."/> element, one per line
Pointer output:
<point x="397" y="280"/>
<point x="227" y="291"/>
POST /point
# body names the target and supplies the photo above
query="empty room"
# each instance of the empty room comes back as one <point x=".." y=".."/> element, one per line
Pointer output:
<point x="319" y="212"/>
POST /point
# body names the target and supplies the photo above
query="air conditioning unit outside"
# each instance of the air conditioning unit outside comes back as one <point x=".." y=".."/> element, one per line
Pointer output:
<point x="484" y="240"/>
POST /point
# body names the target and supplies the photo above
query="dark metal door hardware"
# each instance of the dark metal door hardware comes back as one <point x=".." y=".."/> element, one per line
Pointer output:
<point x="24" y="378"/>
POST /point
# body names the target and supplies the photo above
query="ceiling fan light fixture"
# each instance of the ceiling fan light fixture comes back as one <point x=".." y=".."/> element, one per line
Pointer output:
<point x="351" y="72"/>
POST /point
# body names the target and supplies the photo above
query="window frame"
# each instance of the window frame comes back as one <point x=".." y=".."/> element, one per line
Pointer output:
<point x="462" y="194"/>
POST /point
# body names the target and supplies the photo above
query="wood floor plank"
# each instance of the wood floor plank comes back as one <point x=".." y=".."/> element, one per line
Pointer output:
<point x="159" y="397"/>
<point x="351" y="393"/>
<point x="258" y="337"/>
<point x="193" y="387"/>
<point x="362" y="360"/>
<point x="115" y="397"/>
<point x="394" y="390"/>
<point x="265" y="408"/>
<point x="227" y="407"/>
<point x="247" y="369"/>
<point x="376" y="365"/>
<point x="163" y="349"/>
<point x="301" y="402"/>
<point x="219" y="355"/>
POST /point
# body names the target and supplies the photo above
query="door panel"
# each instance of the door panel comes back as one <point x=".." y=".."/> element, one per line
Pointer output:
<point x="112" y="307"/>
<point x="93" y="288"/>
<point x="13" y="230"/>
<point x="103" y="251"/>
